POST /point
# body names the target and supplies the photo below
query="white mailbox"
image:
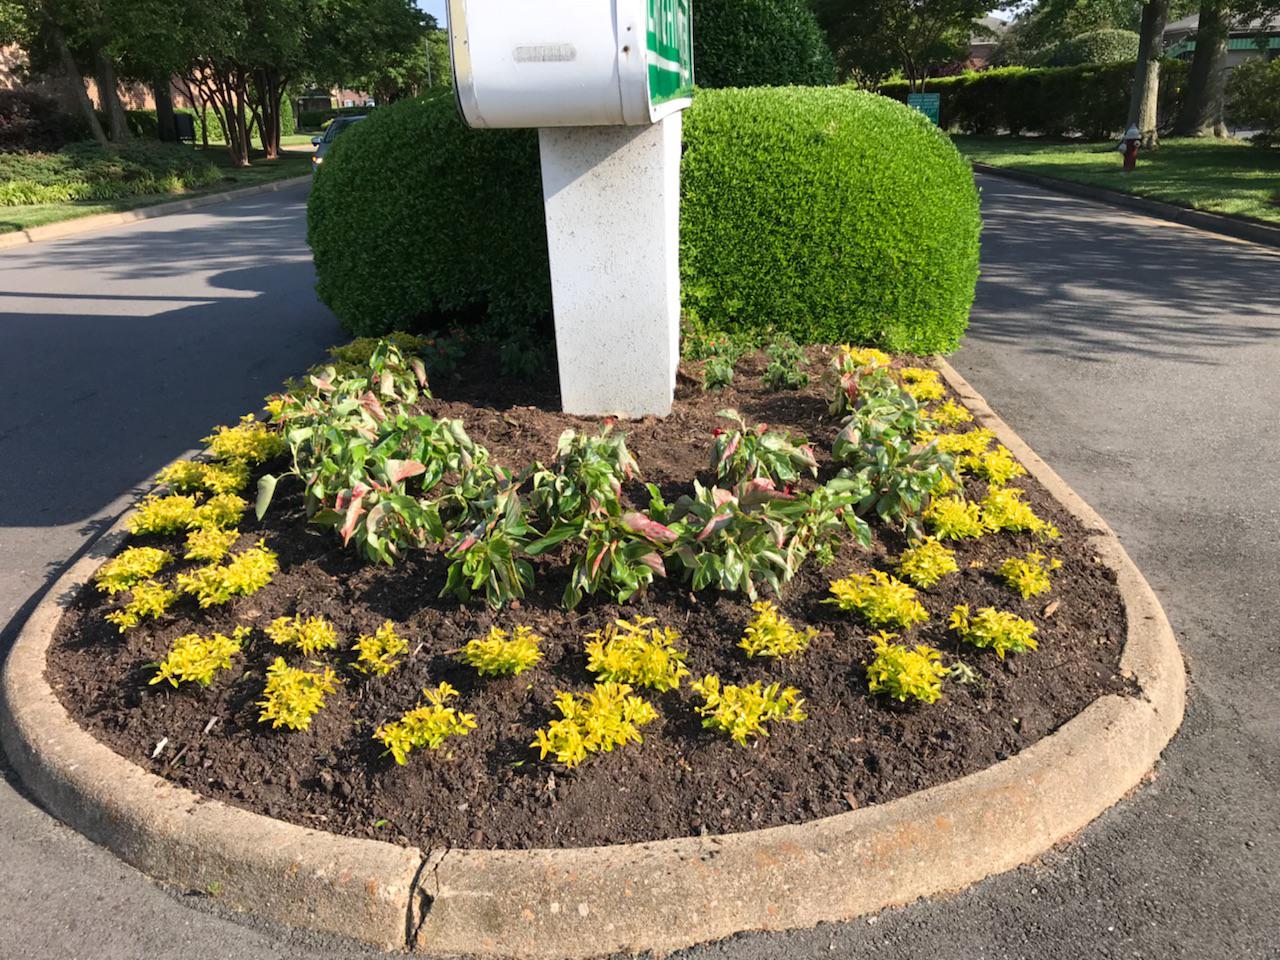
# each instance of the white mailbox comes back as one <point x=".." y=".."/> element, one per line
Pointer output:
<point x="570" y="63"/>
<point x="604" y="82"/>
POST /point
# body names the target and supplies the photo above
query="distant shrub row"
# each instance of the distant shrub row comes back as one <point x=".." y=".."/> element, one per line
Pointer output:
<point x="826" y="213"/>
<point x="85" y="171"/>
<point x="1092" y="99"/>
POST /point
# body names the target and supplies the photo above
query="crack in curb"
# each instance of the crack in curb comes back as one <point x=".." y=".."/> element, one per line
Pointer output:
<point x="427" y="872"/>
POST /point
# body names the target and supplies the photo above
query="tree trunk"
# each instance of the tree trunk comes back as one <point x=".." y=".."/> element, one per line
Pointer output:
<point x="1144" y="100"/>
<point x="269" y="87"/>
<point x="1201" y="114"/>
<point x="110" y="97"/>
<point x="168" y="130"/>
<point x="76" y="79"/>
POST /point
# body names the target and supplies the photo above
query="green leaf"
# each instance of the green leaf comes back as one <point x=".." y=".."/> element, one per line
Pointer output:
<point x="266" y="490"/>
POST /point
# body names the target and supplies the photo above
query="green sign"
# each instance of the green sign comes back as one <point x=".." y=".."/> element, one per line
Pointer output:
<point x="670" y="51"/>
<point x="930" y="104"/>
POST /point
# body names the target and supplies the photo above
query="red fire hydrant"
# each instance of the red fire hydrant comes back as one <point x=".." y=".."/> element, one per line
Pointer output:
<point x="1132" y="138"/>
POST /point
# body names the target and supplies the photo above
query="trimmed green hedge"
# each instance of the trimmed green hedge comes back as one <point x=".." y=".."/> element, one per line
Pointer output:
<point x="86" y="171"/>
<point x="829" y="213"/>
<point x="1092" y="99"/>
<point x="733" y="47"/>
<point x="413" y="218"/>
<point x="832" y="214"/>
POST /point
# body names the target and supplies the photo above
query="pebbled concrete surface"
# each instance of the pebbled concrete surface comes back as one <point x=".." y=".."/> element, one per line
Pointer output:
<point x="1142" y="361"/>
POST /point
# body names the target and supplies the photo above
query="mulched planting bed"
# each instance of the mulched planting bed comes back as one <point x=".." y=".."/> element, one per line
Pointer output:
<point x="489" y="788"/>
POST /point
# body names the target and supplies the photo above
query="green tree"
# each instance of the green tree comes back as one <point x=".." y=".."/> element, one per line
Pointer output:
<point x="872" y="37"/>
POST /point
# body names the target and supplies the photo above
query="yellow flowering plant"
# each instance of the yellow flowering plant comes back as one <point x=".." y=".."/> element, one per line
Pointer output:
<point x="927" y="562"/>
<point x="924" y="385"/>
<point x="996" y="466"/>
<point x="379" y="653"/>
<point x="993" y="629"/>
<point x="292" y="696"/>
<point x="150" y="598"/>
<point x="635" y="652"/>
<point x="881" y="599"/>
<point x="196" y="659"/>
<point x="192" y="476"/>
<point x="428" y="725"/>
<point x="904" y="673"/>
<point x="163" y="515"/>
<point x="131" y="567"/>
<point x="221" y="511"/>
<point x="250" y="441"/>
<point x="1029" y="575"/>
<point x="245" y="573"/>
<point x="1004" y="509"/>
<point x="970" y="443"/>
<point x="745" y="712"/>
<point x="210" y="544"/>
<point x="770" y="634"/>
<point x="307" y="635"/>
<point x="950" y="414"/>
<point x="597" y="721"/>
<point x="503" y="654"/>
<point x="952" y="518"/>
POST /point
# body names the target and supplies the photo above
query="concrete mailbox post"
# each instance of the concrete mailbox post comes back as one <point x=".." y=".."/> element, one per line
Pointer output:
<point x="604" y="82"/>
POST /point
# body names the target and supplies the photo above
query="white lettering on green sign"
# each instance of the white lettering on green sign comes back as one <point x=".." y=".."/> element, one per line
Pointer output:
<point x="670" y="51"/>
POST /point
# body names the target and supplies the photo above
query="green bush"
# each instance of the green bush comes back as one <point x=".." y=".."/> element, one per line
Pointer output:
<point x="405" y="237"/>
<point x="85" y="171"/>
<point x="830" y="214"/>
<point x="833" y="214"/>
<point x="31" y="121"/>
<point x="1095" y="46"/>
<point x="1092" y="99"/>
<point x="287" y="125"/>
<point x="312" y="119"/>
<point x="1253" y="100"/>
<point x="759" y="43"/>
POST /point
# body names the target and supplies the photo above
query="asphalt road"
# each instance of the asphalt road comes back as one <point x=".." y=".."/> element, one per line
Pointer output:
<point x="1141" y="360"/>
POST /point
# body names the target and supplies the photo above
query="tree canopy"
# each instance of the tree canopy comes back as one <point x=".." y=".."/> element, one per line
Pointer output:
<point x="872" y="38"/>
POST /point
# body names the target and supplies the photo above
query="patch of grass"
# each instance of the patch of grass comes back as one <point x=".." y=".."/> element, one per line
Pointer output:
<point x="294" y="163"/>
<point x="1221" y="176"/>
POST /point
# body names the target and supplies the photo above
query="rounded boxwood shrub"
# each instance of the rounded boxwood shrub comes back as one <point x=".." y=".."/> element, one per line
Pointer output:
<point x="414" y="219"/>
<point x="832" y="214"/>
<point x="828" y="213"/>
<point x="759" y="43"/>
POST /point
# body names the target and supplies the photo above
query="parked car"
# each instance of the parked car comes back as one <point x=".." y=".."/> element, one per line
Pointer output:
<point x="325" y="141"/>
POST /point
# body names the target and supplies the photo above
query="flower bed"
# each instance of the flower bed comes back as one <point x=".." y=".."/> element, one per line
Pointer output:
<point x="310" y="671"/>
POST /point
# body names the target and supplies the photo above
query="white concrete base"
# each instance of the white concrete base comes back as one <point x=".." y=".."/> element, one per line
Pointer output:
<point x="612" y="198"/>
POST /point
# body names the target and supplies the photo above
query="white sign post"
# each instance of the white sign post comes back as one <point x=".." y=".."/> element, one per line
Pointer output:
<point x="604" y="82"/>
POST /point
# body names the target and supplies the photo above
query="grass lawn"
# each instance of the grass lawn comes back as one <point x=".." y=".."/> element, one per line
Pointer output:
<point x="294" y="163"/>
<point x="1229" y="177"/>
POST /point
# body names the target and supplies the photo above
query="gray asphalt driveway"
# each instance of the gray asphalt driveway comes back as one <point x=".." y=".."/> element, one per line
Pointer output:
<point x="1141" y="360"/>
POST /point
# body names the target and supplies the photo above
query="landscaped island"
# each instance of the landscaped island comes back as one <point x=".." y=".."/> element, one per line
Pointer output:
<point x="588" y="633"/>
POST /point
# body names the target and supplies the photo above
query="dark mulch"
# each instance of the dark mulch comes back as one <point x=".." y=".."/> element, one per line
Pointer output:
<point x="489" y="789"/>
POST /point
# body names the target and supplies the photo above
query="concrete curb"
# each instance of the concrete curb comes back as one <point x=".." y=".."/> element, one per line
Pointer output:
<point x="1236" y="227"/>
<point x="101" y="221"/>
<point x="580" y="903"/>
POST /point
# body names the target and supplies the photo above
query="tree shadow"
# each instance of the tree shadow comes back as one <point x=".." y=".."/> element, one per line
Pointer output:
<point x="1064" y="276"/>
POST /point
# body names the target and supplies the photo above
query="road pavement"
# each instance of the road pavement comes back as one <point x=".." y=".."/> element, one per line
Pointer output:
<point x="1141" y="360"/>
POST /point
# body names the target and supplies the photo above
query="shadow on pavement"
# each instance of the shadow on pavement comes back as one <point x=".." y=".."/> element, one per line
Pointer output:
<point x="1061" y="273"/>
